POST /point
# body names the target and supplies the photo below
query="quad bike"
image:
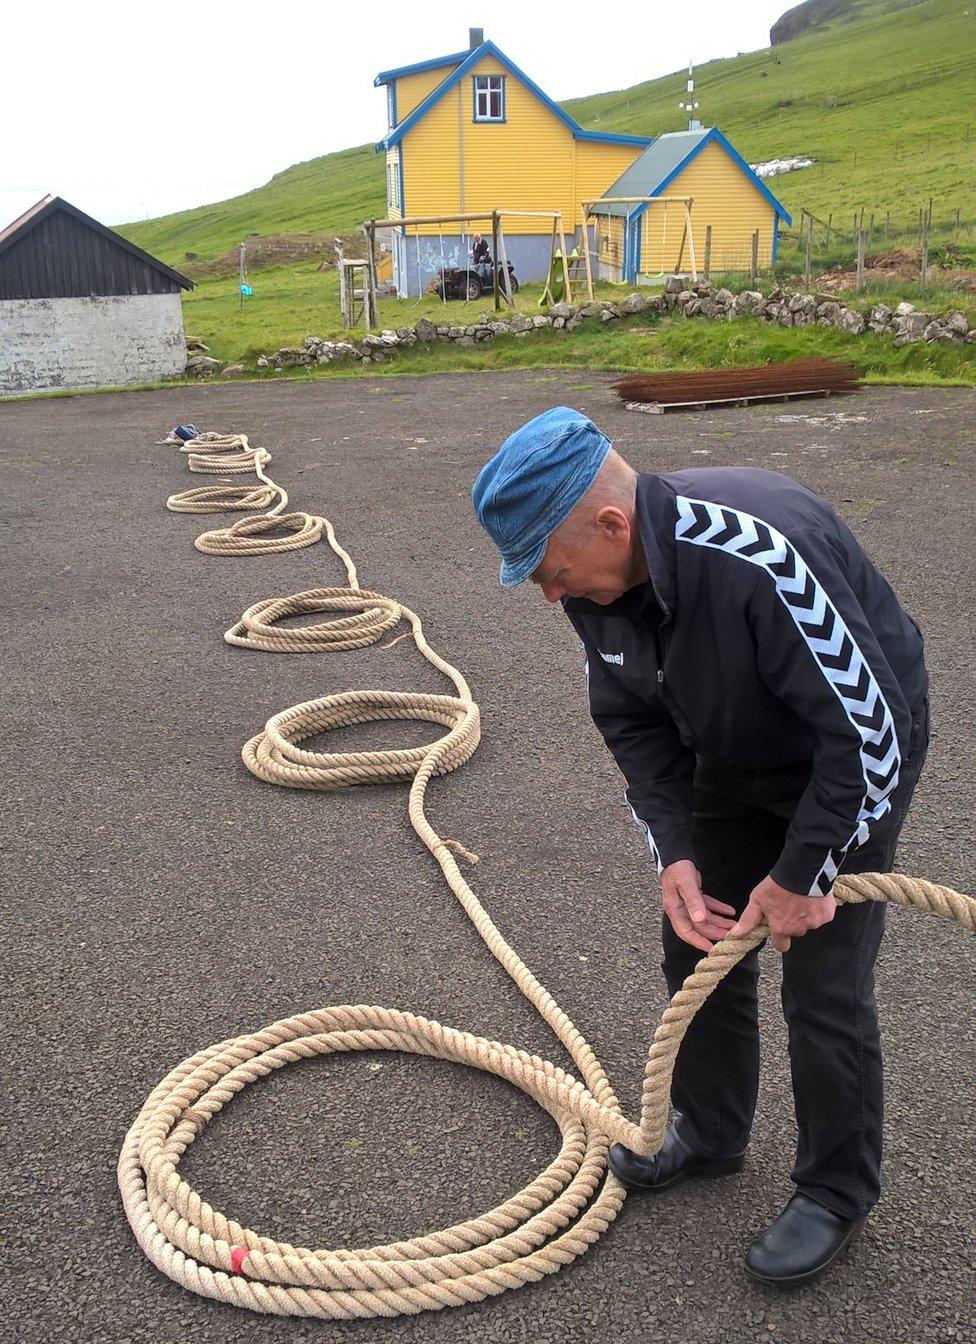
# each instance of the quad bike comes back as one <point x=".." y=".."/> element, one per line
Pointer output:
<point x="470" y="282"/>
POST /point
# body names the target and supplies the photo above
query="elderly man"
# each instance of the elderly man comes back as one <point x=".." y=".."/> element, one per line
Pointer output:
<point x="765" y="697"/>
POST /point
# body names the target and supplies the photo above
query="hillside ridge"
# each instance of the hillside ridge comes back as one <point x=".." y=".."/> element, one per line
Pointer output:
<point x="877" y="95"/>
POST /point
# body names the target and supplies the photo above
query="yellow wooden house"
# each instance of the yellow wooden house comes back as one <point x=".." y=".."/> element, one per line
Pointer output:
<point x="470" y="132"/>
<point x="640" y="240"/>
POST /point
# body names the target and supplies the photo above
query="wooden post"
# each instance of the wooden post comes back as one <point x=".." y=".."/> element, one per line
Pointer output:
<point x="860" y="222"/>
<point x="806" y="261"/>
<point x="887" y="226"/>
<point x="830" y="220"/>
<point x="494" y="260"/>
<point x="854" y="230"/>
<point x="506" y="280"/>
<point x="681" y="246"/>
<point x="562" y="243"/>
<point x="871" y="229"/>
<point x="929" y="218"/>
<point x="552" y="262"/>
<point x="755" y="256"/>
<point x="691" y="240"/>
<point x="924" y="254"/>
<point x="956" y="232"/>
<point x="586" y="250"/>
<point x="707" y="266"/>
<point x="859" y="284"/>
<point x="370" y="306"/>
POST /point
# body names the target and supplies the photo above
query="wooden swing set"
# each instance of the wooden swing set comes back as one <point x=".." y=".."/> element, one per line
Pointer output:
<point x="498" y="252"/>
<point x="685" y="202"/>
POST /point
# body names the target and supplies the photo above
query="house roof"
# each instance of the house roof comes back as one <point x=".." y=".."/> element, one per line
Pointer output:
<point x="468" y="60"/>
<point x="387" y="76"/>
<point x="654" y="170"/>
<point x="21" y="226"/>
<point x="15" y="224"/>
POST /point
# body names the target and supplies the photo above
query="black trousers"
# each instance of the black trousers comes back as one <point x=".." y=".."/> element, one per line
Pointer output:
<point x="741" y="820"/>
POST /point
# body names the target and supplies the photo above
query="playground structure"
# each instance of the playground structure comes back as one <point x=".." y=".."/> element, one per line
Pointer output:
<point x="498" y="249"/>
<point x="574" y="268"/>
<point x="628" y="237"/>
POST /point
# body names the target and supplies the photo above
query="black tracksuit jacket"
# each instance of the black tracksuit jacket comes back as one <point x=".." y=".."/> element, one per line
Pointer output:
<point x="764" y="639"/>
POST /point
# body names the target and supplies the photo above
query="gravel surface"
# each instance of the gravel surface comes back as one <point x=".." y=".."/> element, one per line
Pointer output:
<point x="160" y="898"/>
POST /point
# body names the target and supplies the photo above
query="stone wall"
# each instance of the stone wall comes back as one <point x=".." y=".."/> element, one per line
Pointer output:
<point x="903" y="324"/>
<point x="96" y="342"/>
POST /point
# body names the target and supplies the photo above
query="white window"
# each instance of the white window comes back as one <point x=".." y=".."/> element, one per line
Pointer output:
<point x="489" y="97"/>
<point x="393" y="186"/>
<point x="391" y="105"/>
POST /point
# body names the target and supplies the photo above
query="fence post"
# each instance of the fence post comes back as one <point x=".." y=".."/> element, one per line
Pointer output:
<point x="755" y="256"/>
<point x="707" y="266"/>
<point x="929" y="217"/>
<point x="860" y="260"/>
<point x="806" y="259"/>
<point x="871" y="229"/>
<point x="496" y="291"/>
<point x="854" y="229"/>
<point x="830" y="220"/>
<point x="887" y="226"/>
<point x="924" y="254"/>
<point x="956" y="232"/>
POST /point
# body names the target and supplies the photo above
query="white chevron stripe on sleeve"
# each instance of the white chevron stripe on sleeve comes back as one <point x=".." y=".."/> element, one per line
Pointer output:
<point x="701" y="523"/>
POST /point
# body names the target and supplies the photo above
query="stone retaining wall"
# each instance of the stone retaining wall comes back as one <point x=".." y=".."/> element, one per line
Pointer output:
<point x="904" y="323"/>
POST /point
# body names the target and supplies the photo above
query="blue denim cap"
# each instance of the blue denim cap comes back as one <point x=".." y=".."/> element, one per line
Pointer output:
<point x="533" y="483"/>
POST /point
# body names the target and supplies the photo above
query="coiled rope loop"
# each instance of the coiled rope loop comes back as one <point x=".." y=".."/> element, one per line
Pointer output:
<point x="560" y="1214"/>
<point x="265" y="534"/>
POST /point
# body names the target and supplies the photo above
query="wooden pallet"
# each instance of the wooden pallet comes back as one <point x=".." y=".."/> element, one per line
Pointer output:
<point x="659" y="407"/>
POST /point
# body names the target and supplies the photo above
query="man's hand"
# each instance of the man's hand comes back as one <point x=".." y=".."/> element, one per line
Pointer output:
<point x="699" y="919"/>
<point x="788" y="914"/>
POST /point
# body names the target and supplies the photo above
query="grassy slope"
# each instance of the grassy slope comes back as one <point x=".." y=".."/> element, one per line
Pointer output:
<point x="894" y="87"/>
<point x="334" y="193"/>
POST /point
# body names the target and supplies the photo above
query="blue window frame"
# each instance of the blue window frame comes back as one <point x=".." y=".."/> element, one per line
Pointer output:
<point x="489" y="97"/>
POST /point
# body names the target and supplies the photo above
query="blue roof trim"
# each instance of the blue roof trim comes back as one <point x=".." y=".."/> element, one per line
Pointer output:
<point x="472" y="59"/>
<point x="612" y="138"/>
<point x="715" y="136"/>
<point x="385" y="76"/>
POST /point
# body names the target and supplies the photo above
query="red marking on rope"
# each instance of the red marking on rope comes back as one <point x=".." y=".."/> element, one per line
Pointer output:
<point x="238" y="1254"/>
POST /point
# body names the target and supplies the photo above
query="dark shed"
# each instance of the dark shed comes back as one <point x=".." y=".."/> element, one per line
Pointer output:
<point x="56" y="251"/>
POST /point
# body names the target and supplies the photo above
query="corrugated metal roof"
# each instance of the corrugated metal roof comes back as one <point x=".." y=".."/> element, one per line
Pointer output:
<point x="650" y="169"/>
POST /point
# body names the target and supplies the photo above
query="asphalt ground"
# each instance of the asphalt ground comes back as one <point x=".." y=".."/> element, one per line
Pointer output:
<point x="158" y="898"/>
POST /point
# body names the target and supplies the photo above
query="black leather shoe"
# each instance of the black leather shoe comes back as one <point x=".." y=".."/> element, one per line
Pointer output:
<point x="800" y="1243"/>
<point x="675" y="1162"/>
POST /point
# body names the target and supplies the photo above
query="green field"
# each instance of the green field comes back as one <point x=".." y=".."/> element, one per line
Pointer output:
<point x="881" y="98"/>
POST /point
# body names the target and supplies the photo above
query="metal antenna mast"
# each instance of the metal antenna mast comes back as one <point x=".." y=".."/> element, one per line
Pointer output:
<point x="690" y="106"/>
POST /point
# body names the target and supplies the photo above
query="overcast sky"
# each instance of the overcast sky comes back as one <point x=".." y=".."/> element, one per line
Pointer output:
<point x="131" y="110"/>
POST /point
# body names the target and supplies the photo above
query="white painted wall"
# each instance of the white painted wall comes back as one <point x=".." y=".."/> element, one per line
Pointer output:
<point x="96" y="342"/>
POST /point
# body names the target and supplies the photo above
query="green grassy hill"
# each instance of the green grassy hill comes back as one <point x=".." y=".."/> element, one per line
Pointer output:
<point x="881" y="97"/>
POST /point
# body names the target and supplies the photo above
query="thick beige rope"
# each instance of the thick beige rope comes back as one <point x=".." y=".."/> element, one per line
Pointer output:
<point x="266" y="534"/>
<point x="560" y="1214"/>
